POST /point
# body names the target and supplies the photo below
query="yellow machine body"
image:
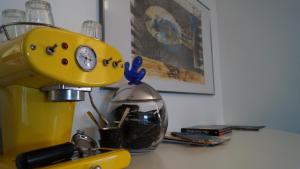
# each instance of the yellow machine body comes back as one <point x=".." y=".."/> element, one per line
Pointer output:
<point x="114" y="159"/>
<point x="29" y="120"/>
<point x="24" y="60"/>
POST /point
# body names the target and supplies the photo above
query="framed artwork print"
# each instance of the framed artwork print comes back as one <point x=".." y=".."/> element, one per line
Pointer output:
<point x="174" y="39"/>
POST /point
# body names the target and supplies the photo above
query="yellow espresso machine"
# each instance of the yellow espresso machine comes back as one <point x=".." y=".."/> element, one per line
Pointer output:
<point x="42" y="74"/>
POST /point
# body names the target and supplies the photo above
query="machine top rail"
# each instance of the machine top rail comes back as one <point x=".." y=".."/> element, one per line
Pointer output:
<point x="3" y="28"/>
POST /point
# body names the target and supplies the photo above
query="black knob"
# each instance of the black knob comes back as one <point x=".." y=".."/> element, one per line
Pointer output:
<point x="106" y="61"/>
<point x="116" y="63"/>
<point x="51" y="49"/>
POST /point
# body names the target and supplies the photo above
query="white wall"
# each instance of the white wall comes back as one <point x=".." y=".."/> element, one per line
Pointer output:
<point x="260" y="62"/>
<point x="183" y="109"/>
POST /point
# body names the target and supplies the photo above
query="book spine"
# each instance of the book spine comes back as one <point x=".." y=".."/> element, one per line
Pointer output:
<point x="207" y="132"/>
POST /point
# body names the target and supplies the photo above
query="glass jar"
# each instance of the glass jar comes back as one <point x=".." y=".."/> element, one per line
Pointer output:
<point x="39" y="11"/>
<point x="92" y="29"/>
<point x="11" y="16"/>
<point x="145" y="123"/>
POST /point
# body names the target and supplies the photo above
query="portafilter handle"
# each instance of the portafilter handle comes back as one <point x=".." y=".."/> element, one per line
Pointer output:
<point x="45" y="156"/>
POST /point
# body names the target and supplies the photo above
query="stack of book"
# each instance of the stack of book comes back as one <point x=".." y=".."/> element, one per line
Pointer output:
<point x="212" y="130"/>
<point x="207" y="135"/>
<point x="203" y="135"/>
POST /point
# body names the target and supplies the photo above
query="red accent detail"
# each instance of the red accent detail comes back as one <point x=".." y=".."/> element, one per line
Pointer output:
<point x="64" y="45"/>
<point x="64" y="61"/>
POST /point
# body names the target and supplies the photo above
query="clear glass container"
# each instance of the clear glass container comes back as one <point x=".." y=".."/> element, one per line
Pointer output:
<point x="146" y="122"/>
<point x="39" y="11"/>
<point x="11" y="16"/>
<point x="92" y="29"/>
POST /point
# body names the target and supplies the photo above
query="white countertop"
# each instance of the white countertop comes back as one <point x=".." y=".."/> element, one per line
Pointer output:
<point x="266" y="149"/>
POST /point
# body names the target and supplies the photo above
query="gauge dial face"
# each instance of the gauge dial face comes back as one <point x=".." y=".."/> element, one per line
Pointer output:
<point x="86" y="58"/>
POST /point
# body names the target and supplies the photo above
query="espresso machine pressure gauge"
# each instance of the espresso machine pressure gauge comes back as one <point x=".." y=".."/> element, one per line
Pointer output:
<point x="86" y="58"/>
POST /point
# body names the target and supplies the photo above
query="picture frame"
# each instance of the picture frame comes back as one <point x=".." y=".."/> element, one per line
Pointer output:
<point x="173" y="37"/>
<point x="101" y="18"/>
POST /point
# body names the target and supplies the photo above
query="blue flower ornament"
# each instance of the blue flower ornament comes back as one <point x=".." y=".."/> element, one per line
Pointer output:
<point x="136" y="73"/>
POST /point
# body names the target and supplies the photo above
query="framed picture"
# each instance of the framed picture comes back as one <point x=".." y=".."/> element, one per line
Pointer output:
<point x="174" y="39"/>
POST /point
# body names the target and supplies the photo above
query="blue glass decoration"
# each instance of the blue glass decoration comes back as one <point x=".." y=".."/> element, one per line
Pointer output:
<point x="135" y="74"/>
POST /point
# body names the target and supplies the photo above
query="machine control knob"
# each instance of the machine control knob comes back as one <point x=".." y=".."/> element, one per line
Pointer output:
<point x="106" y="61"/>
<point x="96" y="167"/>
<point x="33" y="47"/>
<point x="64" y="45"/>
<point x="51" y="49"/>
<point x="116" y="63"/>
